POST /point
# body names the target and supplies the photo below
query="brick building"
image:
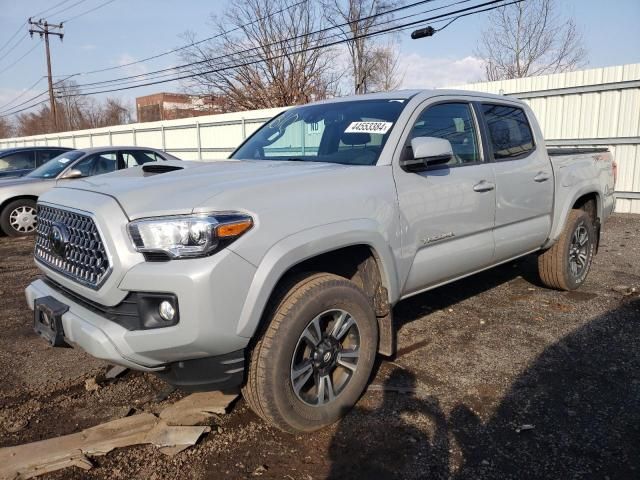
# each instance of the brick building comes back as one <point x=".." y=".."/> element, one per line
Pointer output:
<point x="170" y="106"/>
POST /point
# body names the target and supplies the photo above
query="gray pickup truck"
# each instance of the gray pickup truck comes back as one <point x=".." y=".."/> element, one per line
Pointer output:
<point x="276" y="271"/>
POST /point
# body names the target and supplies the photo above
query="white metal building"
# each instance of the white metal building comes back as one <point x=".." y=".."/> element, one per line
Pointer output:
<point x="599" y="106"/>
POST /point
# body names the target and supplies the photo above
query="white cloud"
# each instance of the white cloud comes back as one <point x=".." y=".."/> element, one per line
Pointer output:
<point x="137" y="69"/>
<point x="429" y="72"/>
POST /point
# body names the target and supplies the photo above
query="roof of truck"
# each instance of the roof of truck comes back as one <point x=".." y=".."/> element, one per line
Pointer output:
<point x="408" y="94"/>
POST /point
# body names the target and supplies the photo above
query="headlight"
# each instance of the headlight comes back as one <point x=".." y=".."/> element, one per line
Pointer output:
<point x="188" y="236"/>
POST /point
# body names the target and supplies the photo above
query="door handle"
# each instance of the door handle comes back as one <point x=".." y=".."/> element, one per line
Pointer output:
<point x="483" y="186"/>
<point x="541" y="177"/>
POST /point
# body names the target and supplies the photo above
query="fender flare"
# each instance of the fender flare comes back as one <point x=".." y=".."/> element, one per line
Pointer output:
<point x="560" y="219"/>
<point x="307" y="244"/>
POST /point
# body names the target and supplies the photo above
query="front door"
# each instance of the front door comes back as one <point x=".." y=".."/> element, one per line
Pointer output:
<point x="447" y="211"/>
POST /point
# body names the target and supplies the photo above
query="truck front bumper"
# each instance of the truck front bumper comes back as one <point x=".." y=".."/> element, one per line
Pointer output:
<point x="201" y="351"/>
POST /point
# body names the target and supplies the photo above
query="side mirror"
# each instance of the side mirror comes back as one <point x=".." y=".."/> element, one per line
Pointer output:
<point x="73" y="173"/>
<point x="428" y="151"/>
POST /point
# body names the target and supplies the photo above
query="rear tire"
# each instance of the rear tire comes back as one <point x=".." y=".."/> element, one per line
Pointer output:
<point x="18" y="218"/>
<point x="314" y="359"/>
<point x="566" y="264"/>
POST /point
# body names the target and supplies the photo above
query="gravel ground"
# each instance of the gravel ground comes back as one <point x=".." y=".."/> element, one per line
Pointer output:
<point x="510" y="380"/>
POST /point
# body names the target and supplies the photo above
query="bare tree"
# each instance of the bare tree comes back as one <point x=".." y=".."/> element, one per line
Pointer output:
<point x="385" y="68"/>
<point x="6" y="128"/>
<point x="75" y="112"/>
<point x="355" y="19"/>
<point x="530" y="38"/>
<point x="262" y="56"/>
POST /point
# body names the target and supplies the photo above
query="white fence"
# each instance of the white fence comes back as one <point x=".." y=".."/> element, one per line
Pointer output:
<point x="596" y="107"/>
<point x="208" y="137"/>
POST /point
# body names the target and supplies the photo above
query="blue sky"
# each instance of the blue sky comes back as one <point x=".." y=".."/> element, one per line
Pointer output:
<point x="127" y="30"/>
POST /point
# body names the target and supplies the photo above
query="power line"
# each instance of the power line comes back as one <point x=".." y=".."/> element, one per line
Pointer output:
<point x="88" y="11"/>
<point x="4" y="69"/>
<point x="14" y="46"/>
<point x="184" y="47"/>
<point x="4" y="45"/>
<point x="53" y="7"/>
<point x="276" y="43"/>
<point x="398" y="28"/>
<point x="173" y="70"/>
<point x="379" y="32"/>
<point x="24" y="92"/>
<point x="55" y="14"/>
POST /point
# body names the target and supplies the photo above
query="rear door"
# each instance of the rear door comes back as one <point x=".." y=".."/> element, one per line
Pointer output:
<point x="446" y="211"/>
<point x="524" y="180"/>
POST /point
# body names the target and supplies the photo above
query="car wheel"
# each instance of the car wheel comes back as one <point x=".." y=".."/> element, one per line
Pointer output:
<point x="565" y="265"/>
<point x="314" y="358"/>
<point x="19" y="218"/>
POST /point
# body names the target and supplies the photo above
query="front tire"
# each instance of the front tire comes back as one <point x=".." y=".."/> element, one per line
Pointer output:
<point x="18" y="218"/>
<point x="565" y="265"/>
<point x="315" y="357"/>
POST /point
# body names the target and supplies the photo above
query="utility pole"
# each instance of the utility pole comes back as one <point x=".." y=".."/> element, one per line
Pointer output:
<point x="44" y="29"/>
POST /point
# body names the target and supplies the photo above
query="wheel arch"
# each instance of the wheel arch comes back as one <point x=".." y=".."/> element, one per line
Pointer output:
<point x="362" y="256"/>
<point x="580" y="200"/>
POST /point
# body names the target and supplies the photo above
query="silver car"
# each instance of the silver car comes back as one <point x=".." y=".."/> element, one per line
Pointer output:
<point x="18" y="196"/>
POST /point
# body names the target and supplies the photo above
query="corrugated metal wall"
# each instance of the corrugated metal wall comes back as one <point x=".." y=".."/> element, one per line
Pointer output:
<point x="208" y="137"/>
<point x="595" y="107"/>
<point x="599" y="107"/>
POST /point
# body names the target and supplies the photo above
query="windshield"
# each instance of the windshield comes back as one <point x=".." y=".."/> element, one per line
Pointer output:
<point x="351" y="133"/>
<point x="53" y="167"/>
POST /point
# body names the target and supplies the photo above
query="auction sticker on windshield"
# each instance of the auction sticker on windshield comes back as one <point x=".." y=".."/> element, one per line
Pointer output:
<point x="369" y="127"/>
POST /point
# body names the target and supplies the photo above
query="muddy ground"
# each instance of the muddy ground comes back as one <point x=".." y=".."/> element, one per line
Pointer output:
<point x="512" y="381"/>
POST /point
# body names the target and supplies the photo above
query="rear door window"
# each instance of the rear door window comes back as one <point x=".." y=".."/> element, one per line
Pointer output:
<point x="135" y="158"/>
<point x="17" y="161"/>
<point x="509" y="131"/>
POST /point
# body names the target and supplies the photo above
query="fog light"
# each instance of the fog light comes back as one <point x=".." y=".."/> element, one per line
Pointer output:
<point x="166" y="310"/>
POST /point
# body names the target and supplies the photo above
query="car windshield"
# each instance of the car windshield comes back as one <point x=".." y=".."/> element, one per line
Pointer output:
<point x="350" y="133"/>
<point x="53" y="167"/>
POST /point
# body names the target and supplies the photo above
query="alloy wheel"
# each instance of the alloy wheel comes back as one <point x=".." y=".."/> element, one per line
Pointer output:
<point x="326" y="357"/>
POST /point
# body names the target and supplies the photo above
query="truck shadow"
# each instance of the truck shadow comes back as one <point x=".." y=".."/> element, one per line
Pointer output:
<point x="443" y="297"/>
<point x="574" y="413"/>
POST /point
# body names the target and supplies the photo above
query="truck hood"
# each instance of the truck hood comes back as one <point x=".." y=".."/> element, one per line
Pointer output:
<point x="145" y="194"/>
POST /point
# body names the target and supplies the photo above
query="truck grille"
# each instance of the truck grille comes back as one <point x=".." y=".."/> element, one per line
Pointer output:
<point x="70" y="243"/>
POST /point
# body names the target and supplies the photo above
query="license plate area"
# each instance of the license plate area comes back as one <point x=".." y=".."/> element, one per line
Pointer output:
<point x="47" y="320"/>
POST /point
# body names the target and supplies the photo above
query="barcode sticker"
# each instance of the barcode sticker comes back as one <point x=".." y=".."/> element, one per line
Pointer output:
<point x="369" y="127"/>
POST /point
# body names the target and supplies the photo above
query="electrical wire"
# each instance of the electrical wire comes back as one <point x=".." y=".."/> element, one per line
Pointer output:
<point x="24" y="92"/>
<point x="174" y="70"/>
<point x="14" y="46"/>
<point x="53" y="7"/>
<point x="4" y="45"/>
<point x="184" y="47"/>
<point x="330" y="44"/>
<point x="4" y="69"/>
<point x="397" y="28"/>
<point x="276" y="43"/>
<point x="88" y="11"/>
<point x="66" y="9"/>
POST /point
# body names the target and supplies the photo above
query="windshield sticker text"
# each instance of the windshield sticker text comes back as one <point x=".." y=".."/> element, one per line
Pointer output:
<point x="369" y="127"/>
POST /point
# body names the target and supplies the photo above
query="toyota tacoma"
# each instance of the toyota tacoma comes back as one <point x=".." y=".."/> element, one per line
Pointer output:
<point x="276" y="271"/>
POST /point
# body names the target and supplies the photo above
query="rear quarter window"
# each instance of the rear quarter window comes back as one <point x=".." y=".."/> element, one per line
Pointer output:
<point x="509" y="131"/>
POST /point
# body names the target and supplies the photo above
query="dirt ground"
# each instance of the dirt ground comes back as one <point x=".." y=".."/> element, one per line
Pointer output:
<point x="512" y="381"/>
